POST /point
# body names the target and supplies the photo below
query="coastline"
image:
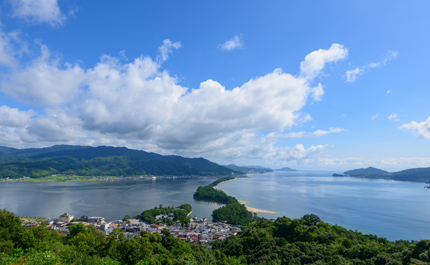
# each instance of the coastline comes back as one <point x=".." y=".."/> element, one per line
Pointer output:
<point x="250" y="209"/>
<point x="255" y="210"/>
<point x="216" y="187"/>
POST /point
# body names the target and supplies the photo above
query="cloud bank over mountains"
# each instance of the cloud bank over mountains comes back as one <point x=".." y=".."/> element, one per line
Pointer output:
<point x="140" y="105"/>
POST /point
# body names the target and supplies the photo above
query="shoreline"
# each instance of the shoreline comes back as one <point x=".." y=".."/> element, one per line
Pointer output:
<point x="216" y="187"/>
<point x="250" y="209"/>
<point x="255" y="210"/>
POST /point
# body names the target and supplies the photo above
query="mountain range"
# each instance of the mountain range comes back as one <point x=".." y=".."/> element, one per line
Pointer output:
<point x="100" y="161"/>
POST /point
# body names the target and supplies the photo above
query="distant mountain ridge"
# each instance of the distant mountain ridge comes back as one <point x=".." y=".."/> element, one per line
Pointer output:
<point x="413" y="174"/>
<point x="285" y="169"/>
<point x="366" y="171"/>
<point x="249" y="169"/>
<point x="100" y="161"/>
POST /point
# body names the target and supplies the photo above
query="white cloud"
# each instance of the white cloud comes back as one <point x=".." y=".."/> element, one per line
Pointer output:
<point x="38" y="11"/>
<point x="11" y="46"/>
<point x="315" y="61"/>
<point x="388" y="92"/>
<point x="422" y="129"/>
<point x="297" y="152"/>
<point x="167" y="48"/>
<point x="44" y="82"/>
<point x="374" y="117"/>
<point x="351" y="75"/>
<point x="139" y="105"/>
<point x="13" y="117"/>
<point x="235" y="43"/>
<point x="317" y="133"/>
<point x="317" y="92"/>
<point x="393" y="117"/>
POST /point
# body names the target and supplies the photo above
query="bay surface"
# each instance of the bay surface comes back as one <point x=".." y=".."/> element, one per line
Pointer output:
<point x="391" y="209"/>
<point x="112" y="200"/>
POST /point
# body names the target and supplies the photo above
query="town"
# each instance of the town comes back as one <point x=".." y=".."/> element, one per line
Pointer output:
<point x="200" y="231"/>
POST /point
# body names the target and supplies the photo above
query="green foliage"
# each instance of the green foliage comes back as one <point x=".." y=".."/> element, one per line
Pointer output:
<point x="284" y="241"/>
<point x="233" y="212"/>
<point x="208" y="193"/>
<point x="179" y="213"/>
<point x="311" y="241"/>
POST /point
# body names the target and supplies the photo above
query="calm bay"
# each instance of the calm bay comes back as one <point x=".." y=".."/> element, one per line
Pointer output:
<point x="391" y="209"/>
<point x="110" y="199"/>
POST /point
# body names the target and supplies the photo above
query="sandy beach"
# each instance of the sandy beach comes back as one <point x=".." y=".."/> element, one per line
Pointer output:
<point x="255" y="210"/>
<point x="216" y="187"/>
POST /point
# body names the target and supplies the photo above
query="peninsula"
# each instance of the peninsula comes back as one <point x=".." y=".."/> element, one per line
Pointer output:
<point x="413" y="174"/>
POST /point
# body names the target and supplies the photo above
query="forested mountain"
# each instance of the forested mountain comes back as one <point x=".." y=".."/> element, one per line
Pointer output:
<point x="413" y="174"/>
<point x="366" y="171"/>
<point x="100" y="161"/>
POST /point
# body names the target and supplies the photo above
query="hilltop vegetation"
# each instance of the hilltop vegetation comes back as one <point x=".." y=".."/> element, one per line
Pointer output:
<point x="100" y="161"/>
<point x="285" y="241"/>
<point x="179" y="214"/>
<point x="414" y="174"/>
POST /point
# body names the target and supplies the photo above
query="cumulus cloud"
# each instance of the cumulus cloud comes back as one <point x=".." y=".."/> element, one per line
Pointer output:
<point x="140" y="105"/>
<point x="314" y="62"/>
<point x="13" y="117"/>
<point x="351" y="75"/>
<point x="38" y="11"/>
<point x="422" y="129"/>
<point x="235" y="43"/>
<point x="44" y="82"/>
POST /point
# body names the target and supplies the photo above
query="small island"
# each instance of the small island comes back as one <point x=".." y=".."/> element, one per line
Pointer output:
<point x="285" y="169"/>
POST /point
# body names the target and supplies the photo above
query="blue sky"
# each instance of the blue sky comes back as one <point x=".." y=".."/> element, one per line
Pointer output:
<point x="318" y="85"/>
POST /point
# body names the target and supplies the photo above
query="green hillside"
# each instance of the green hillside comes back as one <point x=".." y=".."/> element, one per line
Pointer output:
<point x="100" y="161"/>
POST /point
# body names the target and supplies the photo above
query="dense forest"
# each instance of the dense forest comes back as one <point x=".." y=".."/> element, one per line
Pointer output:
<point x="285" y="241"/>
<point x="100" y="161"/>
<point x="179" y="213"/>
<point x="233" y="212"/>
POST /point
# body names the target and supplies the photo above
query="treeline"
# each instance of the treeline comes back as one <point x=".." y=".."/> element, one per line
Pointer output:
<point x="311" y="241"/>
<point x="179" y="214"/>
<point x="233" y="212"/>
<point x="86" y="245"/>
<point x="284" y="241"/>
